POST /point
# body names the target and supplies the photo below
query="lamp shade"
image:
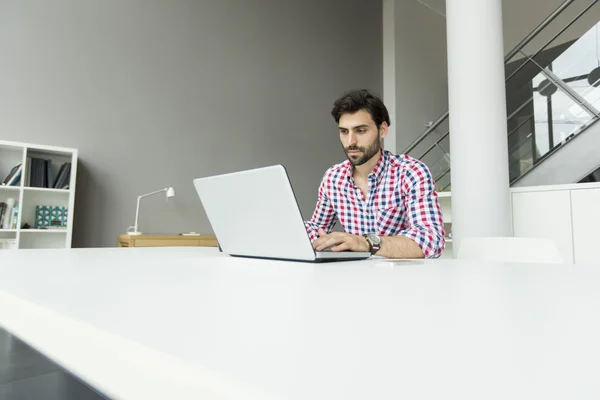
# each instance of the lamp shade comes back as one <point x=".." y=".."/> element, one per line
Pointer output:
<point x="170" y="192"/>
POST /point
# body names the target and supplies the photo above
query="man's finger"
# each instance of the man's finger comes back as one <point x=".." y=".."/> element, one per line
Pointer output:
<point x="329" y="242"/>
<point x="342" y="247"/>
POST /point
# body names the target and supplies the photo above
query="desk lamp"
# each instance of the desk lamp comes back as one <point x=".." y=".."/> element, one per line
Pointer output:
<point x="170" y="193"/>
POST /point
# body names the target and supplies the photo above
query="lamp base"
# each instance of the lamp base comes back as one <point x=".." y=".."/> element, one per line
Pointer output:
<point x="134" y="233"/>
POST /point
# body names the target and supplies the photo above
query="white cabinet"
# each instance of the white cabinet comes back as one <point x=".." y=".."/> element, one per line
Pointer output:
<point x="569" y="215"/>
<point x="586" y="222"/>
<point x="544" y="214"/>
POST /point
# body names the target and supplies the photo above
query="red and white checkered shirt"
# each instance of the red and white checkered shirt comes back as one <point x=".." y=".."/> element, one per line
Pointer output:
<point x="401" y="200"/>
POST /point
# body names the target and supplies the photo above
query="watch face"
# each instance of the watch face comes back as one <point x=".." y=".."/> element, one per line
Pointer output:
<point x="376" y="240"/>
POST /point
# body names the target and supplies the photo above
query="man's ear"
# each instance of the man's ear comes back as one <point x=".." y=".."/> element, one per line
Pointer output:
<point x="383" y="130"/>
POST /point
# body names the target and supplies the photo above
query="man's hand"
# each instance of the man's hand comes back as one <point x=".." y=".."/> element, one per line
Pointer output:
<point x="340" y="242"/>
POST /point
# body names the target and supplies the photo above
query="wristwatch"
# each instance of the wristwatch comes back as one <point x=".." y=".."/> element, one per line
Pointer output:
<point x="374" y="242"/>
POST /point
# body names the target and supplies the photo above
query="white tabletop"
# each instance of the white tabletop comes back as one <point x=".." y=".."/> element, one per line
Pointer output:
<point x="182" y="323"/>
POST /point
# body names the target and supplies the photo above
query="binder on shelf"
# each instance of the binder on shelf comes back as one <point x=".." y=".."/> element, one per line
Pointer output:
<point x="40" y="173"/>
<point x="3" y="206"/>
<point x="37" y="172"/>
<point x="28" y="171"/>
<point x="48" y="175"/>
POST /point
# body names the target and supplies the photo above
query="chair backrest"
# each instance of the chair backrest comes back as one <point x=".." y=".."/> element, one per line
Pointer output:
<point x="510" y="249"/>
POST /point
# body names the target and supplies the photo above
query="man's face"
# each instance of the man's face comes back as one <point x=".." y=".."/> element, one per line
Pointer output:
<point x="360" y="137"/>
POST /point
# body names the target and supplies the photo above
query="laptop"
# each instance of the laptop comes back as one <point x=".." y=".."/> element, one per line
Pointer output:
<point x="255" y="213"/>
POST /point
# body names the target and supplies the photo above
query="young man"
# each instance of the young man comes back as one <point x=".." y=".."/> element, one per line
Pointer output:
<point x="386" y="203"/>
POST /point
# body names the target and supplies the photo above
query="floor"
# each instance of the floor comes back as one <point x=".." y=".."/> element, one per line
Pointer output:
<point x="25" y="374"/>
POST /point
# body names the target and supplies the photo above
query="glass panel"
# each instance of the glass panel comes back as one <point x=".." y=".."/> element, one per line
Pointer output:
<point x="438" y="162"/>
<point x="543" y="123"/>
<point x="443" y="182"/>
<point x="579" y="66"/>
<point x="419" y="151"/>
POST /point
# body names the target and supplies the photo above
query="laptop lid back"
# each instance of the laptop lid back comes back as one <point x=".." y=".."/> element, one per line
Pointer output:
<point x="254" y="213"/>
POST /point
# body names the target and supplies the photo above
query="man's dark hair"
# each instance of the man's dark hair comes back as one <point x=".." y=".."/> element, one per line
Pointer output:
<point x="357" y="100"/>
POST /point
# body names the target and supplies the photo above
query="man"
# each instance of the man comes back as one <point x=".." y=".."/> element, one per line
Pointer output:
<point x="386" y="203"/>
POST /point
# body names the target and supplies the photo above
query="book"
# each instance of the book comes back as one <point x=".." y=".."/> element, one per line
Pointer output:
<point x="14" y="176"/>
<point x="64" y="177"/>
<point x="58" y="175"/>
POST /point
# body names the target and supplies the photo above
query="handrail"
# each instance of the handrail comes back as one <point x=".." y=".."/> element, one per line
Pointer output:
<point x="427" y="132"/>
<point x="510" y="54"/>
<point x="537" y="30"/>
<point x="531" y="57"/>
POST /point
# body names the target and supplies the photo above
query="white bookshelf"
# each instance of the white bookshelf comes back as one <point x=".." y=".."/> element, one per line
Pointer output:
<point x="27" y="197"/>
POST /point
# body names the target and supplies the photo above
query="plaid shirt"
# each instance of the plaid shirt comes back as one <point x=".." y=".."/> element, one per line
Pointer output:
<point x="401" y="200"/>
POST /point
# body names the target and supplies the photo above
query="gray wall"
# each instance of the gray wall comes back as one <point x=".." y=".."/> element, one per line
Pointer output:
<point x="156" y="93"/>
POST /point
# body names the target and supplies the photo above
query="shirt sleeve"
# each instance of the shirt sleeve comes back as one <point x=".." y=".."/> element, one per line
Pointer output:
<point x="424" y="216"/>
<point x="324" y="215"/>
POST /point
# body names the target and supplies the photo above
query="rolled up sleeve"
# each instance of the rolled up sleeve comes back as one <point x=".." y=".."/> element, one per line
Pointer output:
<point x="323" y="216"/>
<point x="424" y="215"/>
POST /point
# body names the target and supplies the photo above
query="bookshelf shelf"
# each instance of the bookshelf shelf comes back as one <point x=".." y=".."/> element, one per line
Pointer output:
<point x="48" y="190"/>
<point x="44" y="231"/>
<point x="41" y="167"/>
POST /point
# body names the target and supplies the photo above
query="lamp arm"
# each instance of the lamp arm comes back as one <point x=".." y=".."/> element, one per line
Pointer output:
<point x="155" y="192"/>
<point x="137" y="209"/>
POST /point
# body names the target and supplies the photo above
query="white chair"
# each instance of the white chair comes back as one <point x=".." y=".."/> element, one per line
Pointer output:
<point x="510" y="249"/>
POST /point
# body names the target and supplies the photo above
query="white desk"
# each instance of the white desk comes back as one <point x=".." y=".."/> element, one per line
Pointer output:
<point x="188" y="323"/>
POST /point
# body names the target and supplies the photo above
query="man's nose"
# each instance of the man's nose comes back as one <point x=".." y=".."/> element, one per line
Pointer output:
<point x="352" y="139"/>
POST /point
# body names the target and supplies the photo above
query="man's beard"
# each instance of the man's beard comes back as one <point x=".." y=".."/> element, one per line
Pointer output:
<point x="367" y="153"/>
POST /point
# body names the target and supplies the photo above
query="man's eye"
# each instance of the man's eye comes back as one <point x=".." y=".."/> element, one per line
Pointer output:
<point x="362" y="130"/>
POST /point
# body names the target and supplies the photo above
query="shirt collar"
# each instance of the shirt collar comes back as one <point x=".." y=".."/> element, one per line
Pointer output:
<point x="376" y="174"/>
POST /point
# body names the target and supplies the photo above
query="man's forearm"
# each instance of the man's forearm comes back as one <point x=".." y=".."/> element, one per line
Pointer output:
<point x="399" y="247"/>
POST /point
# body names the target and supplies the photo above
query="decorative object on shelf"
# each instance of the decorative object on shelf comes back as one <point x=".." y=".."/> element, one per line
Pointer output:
<point x="14" y="218"/>
<point x="50" y="217"/>
<point x="6" y="213"/>
<point x="170" y="192"/>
